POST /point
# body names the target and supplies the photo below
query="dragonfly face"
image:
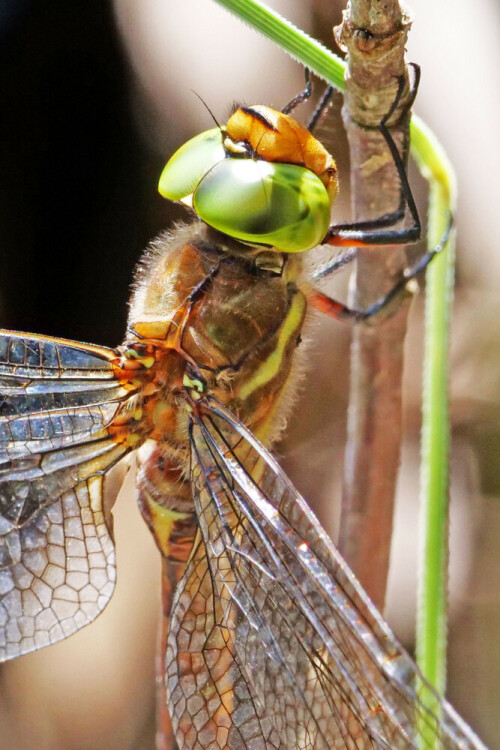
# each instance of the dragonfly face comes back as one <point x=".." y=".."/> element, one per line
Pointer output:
<point x="268" y="639"/>
<point x="263" y="178"/>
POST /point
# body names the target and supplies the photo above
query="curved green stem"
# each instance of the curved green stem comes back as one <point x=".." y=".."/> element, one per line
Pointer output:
<point x="431" y="619"/>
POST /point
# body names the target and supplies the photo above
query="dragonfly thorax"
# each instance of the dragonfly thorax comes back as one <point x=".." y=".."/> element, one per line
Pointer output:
<point x="221" y="323"/>
<point x="230" y="319"/>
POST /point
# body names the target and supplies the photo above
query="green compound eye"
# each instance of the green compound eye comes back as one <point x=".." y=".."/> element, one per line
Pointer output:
<point x="190" y="163"/>
<point x="282" y="205"/>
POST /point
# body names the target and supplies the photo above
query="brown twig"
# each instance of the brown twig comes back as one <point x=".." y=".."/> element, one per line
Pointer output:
<point x="374" y="34"/>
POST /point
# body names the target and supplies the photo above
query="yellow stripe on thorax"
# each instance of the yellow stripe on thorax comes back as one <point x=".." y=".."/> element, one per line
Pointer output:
<point x="271" y="366"/>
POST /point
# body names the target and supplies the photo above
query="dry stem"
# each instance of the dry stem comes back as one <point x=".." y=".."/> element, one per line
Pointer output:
<point x="374" y="35"/>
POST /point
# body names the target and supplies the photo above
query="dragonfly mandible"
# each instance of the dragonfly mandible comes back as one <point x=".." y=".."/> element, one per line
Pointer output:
<point x="269" y="642"/>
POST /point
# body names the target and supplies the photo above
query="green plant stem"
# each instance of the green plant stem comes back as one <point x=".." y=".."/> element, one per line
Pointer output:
<point x="431" y="619"/>
<point x="297" y="43"/>
<point x="434" y="166"/>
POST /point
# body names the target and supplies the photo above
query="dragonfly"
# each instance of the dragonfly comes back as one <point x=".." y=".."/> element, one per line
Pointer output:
<point x="268" y="640"/>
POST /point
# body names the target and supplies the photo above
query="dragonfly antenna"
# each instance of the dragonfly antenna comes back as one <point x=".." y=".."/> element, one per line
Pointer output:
<point x="207" y="108"/>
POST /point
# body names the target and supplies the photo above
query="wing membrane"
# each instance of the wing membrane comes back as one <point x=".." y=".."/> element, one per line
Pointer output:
<point x="57" y="572"/>
<point x="58" y="400"/>
<point x="301" y="640"/>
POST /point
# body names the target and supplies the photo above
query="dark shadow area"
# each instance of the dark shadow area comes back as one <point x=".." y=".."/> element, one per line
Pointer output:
<point x="75" y="180"/>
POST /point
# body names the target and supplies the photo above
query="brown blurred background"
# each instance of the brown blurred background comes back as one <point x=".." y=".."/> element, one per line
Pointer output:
<point x="94" y="97"/>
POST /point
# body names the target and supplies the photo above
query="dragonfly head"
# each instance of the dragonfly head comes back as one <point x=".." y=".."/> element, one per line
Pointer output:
<point x="263" y="179"/>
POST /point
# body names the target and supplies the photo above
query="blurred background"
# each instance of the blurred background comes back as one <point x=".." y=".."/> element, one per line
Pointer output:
<point x="95" y="97"/>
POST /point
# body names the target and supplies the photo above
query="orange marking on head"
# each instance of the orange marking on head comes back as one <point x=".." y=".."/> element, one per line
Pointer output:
<point x="286" y="141"/>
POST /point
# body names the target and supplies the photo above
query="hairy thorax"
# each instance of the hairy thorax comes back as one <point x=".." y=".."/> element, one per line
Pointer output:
<point x="220" y="316"/>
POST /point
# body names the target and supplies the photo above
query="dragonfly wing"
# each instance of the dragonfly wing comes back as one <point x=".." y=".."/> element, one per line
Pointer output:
<point x="210" y="700"/>
<point x="268" y="600"/>
<point x="57" y="401"/>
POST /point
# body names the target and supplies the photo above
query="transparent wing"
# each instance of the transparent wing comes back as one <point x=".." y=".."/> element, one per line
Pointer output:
<point x="58" y="400"/>
<point x="273" y="643"/>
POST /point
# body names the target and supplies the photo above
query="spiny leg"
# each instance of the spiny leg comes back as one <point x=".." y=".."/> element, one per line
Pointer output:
<point x="303" y="96"/>
<point x="325" y="304"/>
<point x="348" y="255"/>
<point x="375" y="232"/>
<point x="320" y="108"/>
<point x="335" y="264"/>
<point x="372" y="232"/>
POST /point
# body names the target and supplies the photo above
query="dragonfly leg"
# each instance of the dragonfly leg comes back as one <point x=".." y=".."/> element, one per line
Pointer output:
<point x="334" y="265"/>
<point x="380" y="231"/>
<point x="303" y="96"/>
<point x="321" y="108"/>
<point x="338" y="310"/>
